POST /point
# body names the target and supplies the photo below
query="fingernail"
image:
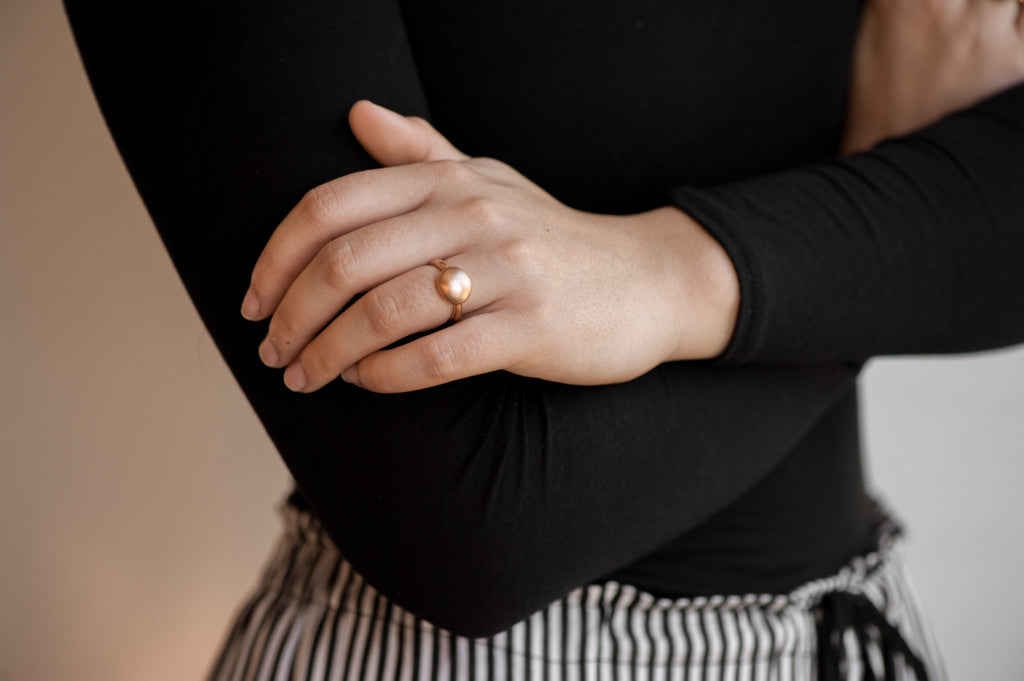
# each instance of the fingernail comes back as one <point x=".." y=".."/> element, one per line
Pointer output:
<point x="351" y="375"/>
<point x="267" y="353"/>
<point x="250" y="305"/>
<point x="295" y="377"/>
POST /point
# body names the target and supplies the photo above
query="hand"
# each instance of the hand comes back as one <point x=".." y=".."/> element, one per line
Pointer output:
<point x="557" y="293"/>
<point x="917" y="60"/>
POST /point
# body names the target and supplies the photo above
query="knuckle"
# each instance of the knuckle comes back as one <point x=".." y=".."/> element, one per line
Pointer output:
<point x="419" y="122"/>
<point x="318" y="204"/>
<point x="490" y="161"/>
<point x="519" y="254"/>
<point x="545" y="314"/>
<point x="482" y="211"/>
<point x="449" y="172"/>
<point x="492" y="164"/>
<point x="383" y="313"/>
<point x="337" y="262"/>
<point x="439" y="358"/>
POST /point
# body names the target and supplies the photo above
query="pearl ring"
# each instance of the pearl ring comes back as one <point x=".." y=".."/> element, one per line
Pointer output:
<point x="454" y="286"/>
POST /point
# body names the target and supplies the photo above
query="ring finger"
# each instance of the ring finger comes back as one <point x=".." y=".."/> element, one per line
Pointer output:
<point x="398" y="308"/>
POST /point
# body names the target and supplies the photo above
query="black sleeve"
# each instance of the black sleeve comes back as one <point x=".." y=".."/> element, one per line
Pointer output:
<point x="916" y="246"/>
<point x="472" y="504"/>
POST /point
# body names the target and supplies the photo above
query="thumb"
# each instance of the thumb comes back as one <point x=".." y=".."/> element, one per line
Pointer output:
<point x="393" y="139"/>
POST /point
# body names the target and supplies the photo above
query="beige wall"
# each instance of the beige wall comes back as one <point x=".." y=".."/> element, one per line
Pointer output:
<point x="136" y="488"/>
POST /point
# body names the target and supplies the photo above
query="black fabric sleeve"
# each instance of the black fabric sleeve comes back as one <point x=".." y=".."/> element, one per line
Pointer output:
<point x="916" y="246"/>
<point x="472" y="504"/>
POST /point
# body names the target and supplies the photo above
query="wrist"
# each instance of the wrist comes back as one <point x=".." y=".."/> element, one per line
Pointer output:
<point x="701" y="286"/>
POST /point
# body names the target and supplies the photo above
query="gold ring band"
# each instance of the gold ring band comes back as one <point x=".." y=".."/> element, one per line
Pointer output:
<point x="454" y="286"/>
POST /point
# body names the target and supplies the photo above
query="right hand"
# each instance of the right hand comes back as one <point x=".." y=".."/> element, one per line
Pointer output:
<point x="917" y="60"/>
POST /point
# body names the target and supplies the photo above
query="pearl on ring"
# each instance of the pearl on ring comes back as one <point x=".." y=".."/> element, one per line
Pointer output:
<point x="454" y="286"/>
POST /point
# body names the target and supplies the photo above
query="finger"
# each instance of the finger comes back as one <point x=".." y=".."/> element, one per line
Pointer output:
<point x="393" y="139"/>
<point x="354" y="263"/>
<point x="485" y="342"/>
<point x="336" y="208"/>
<point x="388" y="313"/>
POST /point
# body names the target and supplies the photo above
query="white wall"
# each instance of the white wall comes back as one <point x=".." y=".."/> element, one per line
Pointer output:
<point x="123" y="550"/>
<point x="945" y="438"/>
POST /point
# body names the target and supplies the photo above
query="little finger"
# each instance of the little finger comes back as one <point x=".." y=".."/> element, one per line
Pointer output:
<point x="485" y="342"/>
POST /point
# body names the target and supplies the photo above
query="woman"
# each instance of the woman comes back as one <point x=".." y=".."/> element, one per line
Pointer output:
<point x="674" y="434"/>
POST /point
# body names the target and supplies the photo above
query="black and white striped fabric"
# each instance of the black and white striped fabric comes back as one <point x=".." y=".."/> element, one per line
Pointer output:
<point x="313" y="618"/>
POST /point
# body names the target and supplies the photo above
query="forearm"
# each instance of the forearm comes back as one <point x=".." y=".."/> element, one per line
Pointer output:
<point x="481" y="510"/>
<point x="913" y="247"/>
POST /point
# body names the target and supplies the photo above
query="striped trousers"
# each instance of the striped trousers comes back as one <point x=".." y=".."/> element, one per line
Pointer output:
<point x="313" y="618"/>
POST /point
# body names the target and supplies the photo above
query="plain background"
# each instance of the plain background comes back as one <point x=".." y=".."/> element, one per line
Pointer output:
<point x="137" y="489"/>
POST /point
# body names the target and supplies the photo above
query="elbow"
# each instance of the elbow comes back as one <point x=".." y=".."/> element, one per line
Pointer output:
<point x="469" y="595"/>
<point x="469" y="576"/>
<point x="445" y="527"/>
<point x="469" y="612"/>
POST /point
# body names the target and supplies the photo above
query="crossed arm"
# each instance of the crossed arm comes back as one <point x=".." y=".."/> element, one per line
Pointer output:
<point x="505" y="490"/>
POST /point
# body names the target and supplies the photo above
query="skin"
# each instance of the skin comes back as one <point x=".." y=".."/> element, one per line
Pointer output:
<point x="917" y="60"/>
<point x="560" y="294"/>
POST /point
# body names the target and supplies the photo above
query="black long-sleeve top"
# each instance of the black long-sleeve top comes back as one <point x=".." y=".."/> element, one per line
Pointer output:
<point x="475" y="503"/>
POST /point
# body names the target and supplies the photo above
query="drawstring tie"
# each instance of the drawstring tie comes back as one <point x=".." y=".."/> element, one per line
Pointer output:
<point x="842" y="611"/>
